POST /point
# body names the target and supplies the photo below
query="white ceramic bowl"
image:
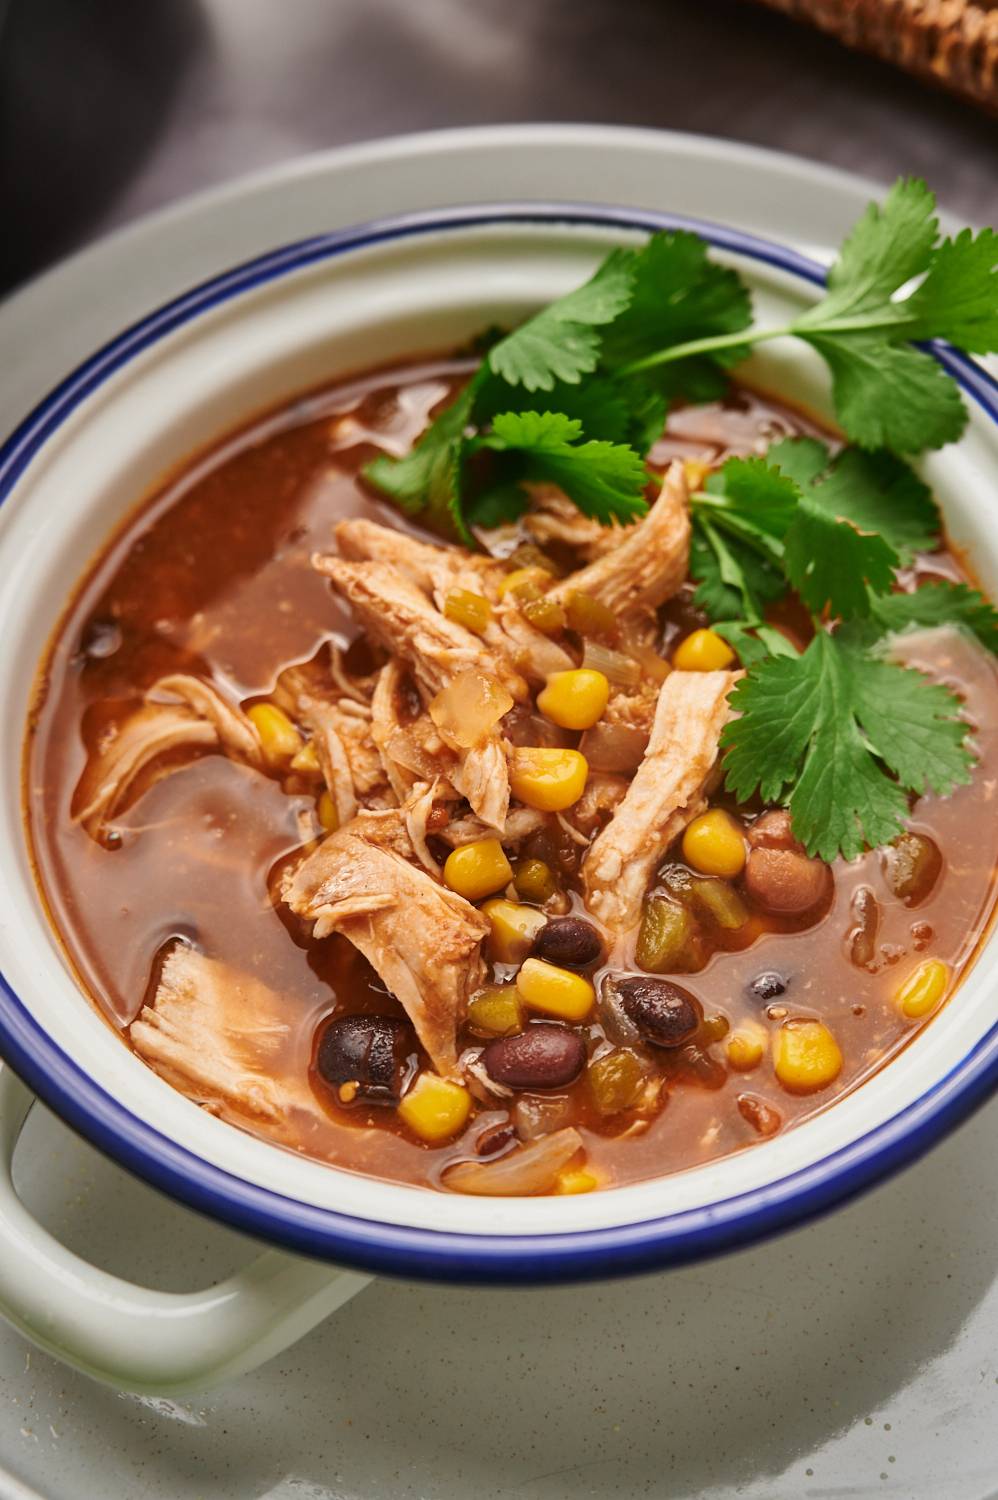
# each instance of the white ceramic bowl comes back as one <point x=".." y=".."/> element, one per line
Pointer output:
<point x="172" y="384"/>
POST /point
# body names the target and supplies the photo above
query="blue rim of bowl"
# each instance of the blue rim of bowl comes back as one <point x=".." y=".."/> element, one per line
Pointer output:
<point x="384" y="1248"/>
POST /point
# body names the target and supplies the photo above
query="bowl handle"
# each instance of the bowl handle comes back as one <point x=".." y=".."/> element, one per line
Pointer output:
<point x="162" y="1343"/>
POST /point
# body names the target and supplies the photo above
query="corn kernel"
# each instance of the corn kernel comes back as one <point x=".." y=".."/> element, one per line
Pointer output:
<point x="434" y="1108"/>
<point x="575" y="1180"/>
<point x="279" y="738"/>
<point x="554" y="991"/>
<point x="473" y="611"/>
<point x="476" y="870"/>
<point x="514" y="928"/>
<point x="574" y="700"/>
<point x="525" y="583"/>
<point x="922" y="991"/>
<point x="307" y="760"/>
<point x="548" y="779"/>
<point x="806" y="1056"/>
<point x="714" y="845"/>
<point x="746" y="1046"/>
<point x="534" y="881"/>
<point x="703" y="651"/>
<point x="325" y="811"/>
<point x="497" y="1010"/>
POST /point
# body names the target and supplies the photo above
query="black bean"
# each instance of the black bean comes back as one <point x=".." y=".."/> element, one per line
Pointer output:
<point x="542" y="1057"/>
<point x="768" y="986"/>
<point x="665" y="1014"/>
<point x="371" y="1051"/>
<point x="569" y="941"/>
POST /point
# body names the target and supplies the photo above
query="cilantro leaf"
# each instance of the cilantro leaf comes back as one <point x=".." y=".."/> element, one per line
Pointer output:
<point x="832" y="565"/>
<point x="939" y="604"/>
<point x="751" y="498"/>
<point x="889" y="395"/>
<point x="606" y="480"/>
<point x="754" y="643"/>
<point x="678" y="294"/>
<point x="850" y="735"/>
<point x="732" y="580"/>
<point x="598" y="404"/>
<point x="429" y="478"/>
<point x="958" y="300"/>
<point x="562" y="341"/>
<point x="876" y="491"/>
<point x="890" y="244"/>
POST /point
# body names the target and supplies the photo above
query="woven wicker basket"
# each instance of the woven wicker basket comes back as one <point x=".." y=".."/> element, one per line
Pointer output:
<point x="950" y="42"/>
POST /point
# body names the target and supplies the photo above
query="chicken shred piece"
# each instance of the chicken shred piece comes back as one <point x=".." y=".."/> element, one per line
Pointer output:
<point x="409" y="750"/>
<point x="665" y="794"/>
<point x="520" y="823"/>
<point x="217" y="1035"/>
<point x="555" y="518"/>
<point x="437" y="570"/>
<point x="416" y="811"/>
<point x="396" y="613"/>
<point x="146" y="735"/>
<point x="237" y="733"/>
<point x="421" y="938"/>
<point x="648" y="565"/>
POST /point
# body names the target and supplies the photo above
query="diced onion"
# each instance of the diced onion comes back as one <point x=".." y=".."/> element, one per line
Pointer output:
<point x="619" y="669"/>
<point x="614" y="747"/>
<point x="528" y="1170"/>
<point x="468" y="709"/>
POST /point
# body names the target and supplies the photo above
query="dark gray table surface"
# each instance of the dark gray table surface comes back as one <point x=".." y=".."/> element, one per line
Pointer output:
<point x="109" y="108"/>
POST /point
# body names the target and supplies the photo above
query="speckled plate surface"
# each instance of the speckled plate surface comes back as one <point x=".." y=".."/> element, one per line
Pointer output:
<point x="853" y="1357"/>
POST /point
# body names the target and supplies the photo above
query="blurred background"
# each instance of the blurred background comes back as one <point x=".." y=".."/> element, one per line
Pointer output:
<point x="111" y="108"/>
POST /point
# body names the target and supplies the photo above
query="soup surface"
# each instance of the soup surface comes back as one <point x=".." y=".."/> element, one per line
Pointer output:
<point x="212" y="578"/>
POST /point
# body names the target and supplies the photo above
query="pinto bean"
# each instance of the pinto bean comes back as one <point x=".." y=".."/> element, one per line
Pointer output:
<point x="370" y="1051"/>
<point x="911" y="866"/>
<point x="779" y="875"/>
<point x="760" y="1115"/>
<point x="665" y="1014"/>
<point x="542" y="1057"/>
<point x="569" y="942"/>
<point x="862" y="937"/>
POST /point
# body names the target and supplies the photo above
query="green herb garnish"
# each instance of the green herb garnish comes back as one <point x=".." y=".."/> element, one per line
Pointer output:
<point x="577" y="395"/>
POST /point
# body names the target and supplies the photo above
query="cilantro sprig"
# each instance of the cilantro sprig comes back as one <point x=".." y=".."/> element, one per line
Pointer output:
<point x="840" y="732"/>
<point x="577" y="395"/>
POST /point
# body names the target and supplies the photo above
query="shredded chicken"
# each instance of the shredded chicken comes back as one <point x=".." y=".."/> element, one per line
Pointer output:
<point x="555" y="518"/>
<point x="423" y="940"/>
<point x="602" y="796"/>
<point x="520" y="823"/>
<point x="665" y="794"/>
<point x="437" y="570"/>
<point x="649" y="564"/>
<point x="203" y="719"/>
<point x="340" y="725"/>
<point x="217" y="1035"/>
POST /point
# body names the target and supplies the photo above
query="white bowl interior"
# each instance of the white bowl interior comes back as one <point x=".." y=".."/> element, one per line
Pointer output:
<point x="334" y="318"/>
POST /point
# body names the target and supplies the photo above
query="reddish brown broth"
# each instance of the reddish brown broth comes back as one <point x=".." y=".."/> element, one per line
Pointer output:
<point x="211" y="575"/>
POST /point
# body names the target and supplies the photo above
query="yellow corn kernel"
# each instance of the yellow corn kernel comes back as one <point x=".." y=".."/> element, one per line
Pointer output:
<point x="525" y="583"/>
<point x="534" y="881"/>
<point x="326" y="813"/>
<point x="554" y="991"/>
<point x="574" y="700"/>
<point x="548" y="779"/>
<point x="476" y="870"/>
<point x="514" y="928"/>
<point x="922" y="991"/>
<point x="575" y="1180"/>
<point x="696" y="471"/>
<point x="434" y="1108"/>
<point x="703" y="651"/>
<point x="715" y="845"/>
<point x="473" y="611"/>
<point x="497" y="1010"/>
<point x="746" y="1046"/>
<point x="806" y="1056"/>
<point x="307" y="760"/>
<point x="279" y="738"/>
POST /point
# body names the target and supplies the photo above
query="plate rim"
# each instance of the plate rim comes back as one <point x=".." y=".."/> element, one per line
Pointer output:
<point x="667" y="1239"/>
